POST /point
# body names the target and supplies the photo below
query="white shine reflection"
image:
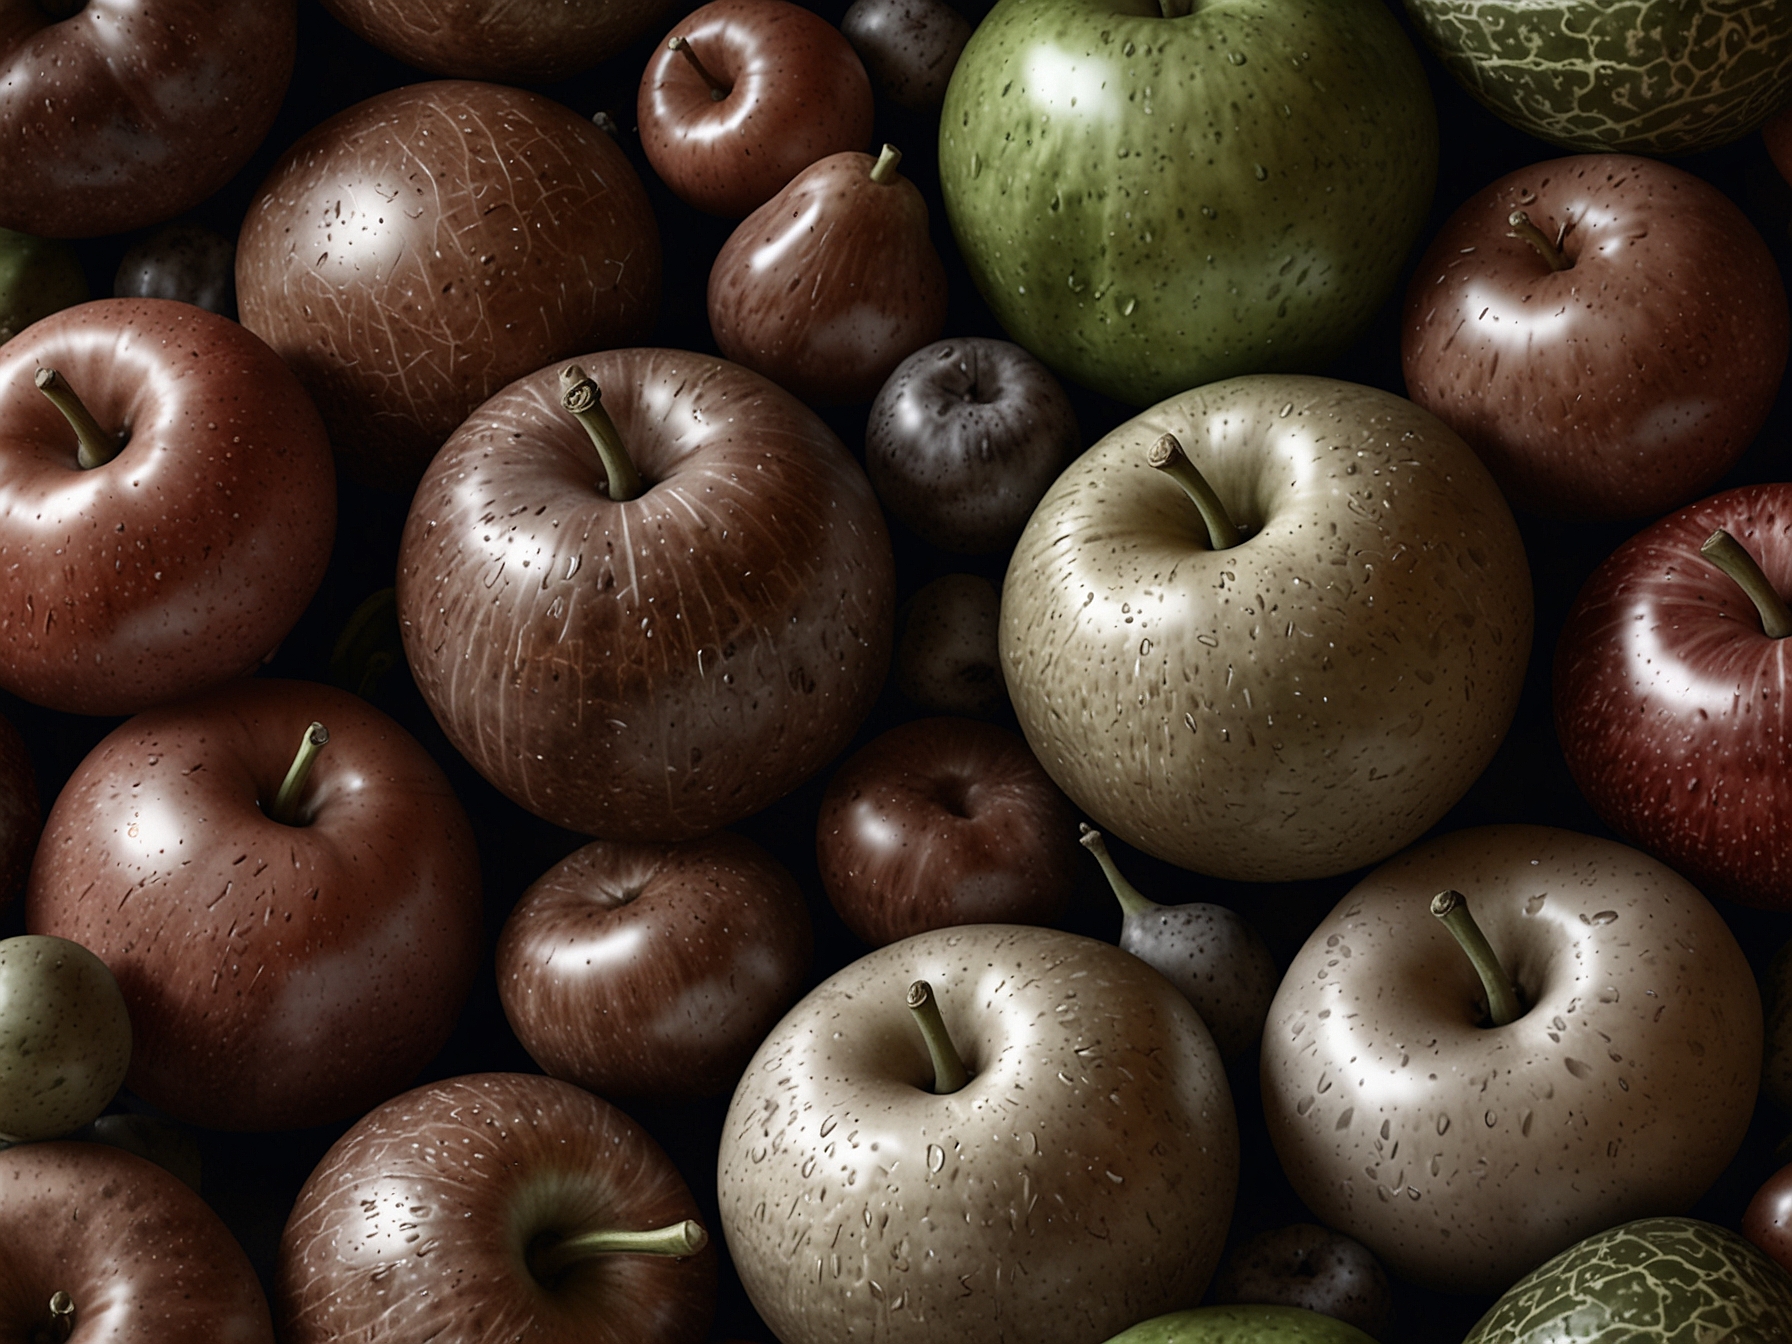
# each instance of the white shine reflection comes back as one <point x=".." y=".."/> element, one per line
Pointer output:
<point x="1499" y="315"/>
<point x="771" y="254"/>
<point x="1061" y="80"/>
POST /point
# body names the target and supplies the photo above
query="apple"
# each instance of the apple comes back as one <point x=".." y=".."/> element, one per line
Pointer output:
<point x="1312" y="1267"/>
<point x="291" y="952"/>
<point x="1776" y="1073"/>
<point x="1243" y="1324"/>
<point x="1298" y="704"/>
<point x="172" y="505"/>
<point x="182" y="260"/>
<point x="651" y="666"/>
<point x="909" y="47"/>
<point x="1149" y="202"/>
<point x="1079" y="1181"/>
<point x="1654" y="77"/>
<point x="104" y="1245"/>
<point x="413" y="254"/>
<point x="947" y="661"/>
<point x="1608" y="332"/>
<point x="115" y="114"/>
<point x="1465" y="1152"/>
<point x="745" y="94"/>
<point x="38" y="276"/>
<point x="1767" y="1221"/>
<point x="654" y="970"/>
<point x="65" y="1037"/>
<point x="1776" y="134"/>
<point x="495" y="1206"/>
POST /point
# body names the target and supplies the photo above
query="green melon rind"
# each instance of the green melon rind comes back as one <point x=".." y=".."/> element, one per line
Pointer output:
<point x="1641" y="76"/>
<point x="1243" y="1324"/>
<point x="1660" y="1280"/>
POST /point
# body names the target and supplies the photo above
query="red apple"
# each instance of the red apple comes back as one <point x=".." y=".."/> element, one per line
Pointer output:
<point x="285" y="963"/>
<point x="909" y="47"/>
<point x="1767" y="1221"/>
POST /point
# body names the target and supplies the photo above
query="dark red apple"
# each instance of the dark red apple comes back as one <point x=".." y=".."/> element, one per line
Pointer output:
<point x="181" y="260"/>
<point x="21" y="812"/>
<point x="909" y="47"/>
<point x="1777" y="133"/>
<point x="658" y="665"/>
<point x="285" y="962"/>
<point x="654" y="971"/>
<point x="1767" y="1221"/>
<point x="1312" y="1267"/>
<point x="1607" y="332"/>
<point x="115" y="114"/>
<point x="940" y="822"/>
<point x="745" y="94"/>
<point x="170" y="541"/>
<point x="498" y="1206"/>
<point x="415" y="253"/>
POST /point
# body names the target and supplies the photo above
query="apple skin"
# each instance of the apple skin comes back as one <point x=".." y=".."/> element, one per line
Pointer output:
<point x="141" y="1255"/>
<point x="1311" y="1267"/>
<point x="1624" y="385"/>
<point x="661" y="667"/>
<point x="947" y="661"/>
<point x="1464" y="1155"/>
<point x="796" y="92"/>
<point x="1290" y="707"/>
<point x="1667" y="692"/>
<point x="1081" y="1181"/>
<point x="416" y="252"/>
<point x="65" y="1037"/>
<point x="132" y="111"/>
<point x="186" y="559"/>
<point x="654" y="971"/>
<point x="277" y="976"/>
<point x="1767" y="1221"/>
<point x="1132" y="225"/>
<point x="909" y="47"/>
<point x="1243" y="1324"/>
<point x="184" y="261"/>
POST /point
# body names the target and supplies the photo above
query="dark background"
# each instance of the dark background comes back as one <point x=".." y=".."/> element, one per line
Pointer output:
<point x="252" y="1179"/>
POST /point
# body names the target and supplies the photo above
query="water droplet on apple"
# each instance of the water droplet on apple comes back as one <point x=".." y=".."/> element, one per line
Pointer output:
<point x="936" y="1157"/>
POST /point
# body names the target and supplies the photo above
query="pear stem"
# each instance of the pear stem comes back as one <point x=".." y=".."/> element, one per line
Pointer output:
<point x="1731" y="556"/>
<point x="580" y="396"/>
<point x="1167" y="456"/>
<point x="1502" y="1001"/>
<point x="555" y="1258"/>
<point x="286" y="802"/>
<point x="97" y="447"/>
<point x="717" y="89"/>
<point x="1132" y="900"/>
<point x="1549" y="251"/>
<point x="885" y="167"/>
<point x="948" y="1066"/>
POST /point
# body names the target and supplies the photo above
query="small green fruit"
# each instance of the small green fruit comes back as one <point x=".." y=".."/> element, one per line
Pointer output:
<point x="1243" y="1324"/>
<point x="38" y="276"/>
<point x="65" y="1037"/>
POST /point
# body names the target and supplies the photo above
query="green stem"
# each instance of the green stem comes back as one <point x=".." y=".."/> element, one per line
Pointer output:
<point x="717" y="89"/>
<point x="885" y="167"/>
<point x="1549" y="251"/>
<point x="286" y="801"/>
<point x="548" y="1262"/>
<point x="1731" y="556"/>
<point x="1167" y="456"/>
<point x="1132" y="900"/>
<point x="1502" y="1001"/>
<point x="948" y="1066"/>
<point x="580" y="396"/>
<point x="60" y="1323"/>
<point x="97" y="447"/>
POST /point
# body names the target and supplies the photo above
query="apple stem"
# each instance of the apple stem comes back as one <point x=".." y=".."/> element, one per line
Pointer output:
<point x="97" y="447"/>
<point x="549" y="1261"/>
<point x="1132" y="900"/>
<point x="1731" y="556"/>
<point x="717" y="89"/>
<point x="580" y="395"/>
<point x="948" y="1066"/>
<point x="1550" y="252"/>
<point x="62" y="1316"/>
<point x="885" y="167"/>
<point x="286" y="801"/>
<point x="1167" y="456"/>
<point x="1502" y="1001"/>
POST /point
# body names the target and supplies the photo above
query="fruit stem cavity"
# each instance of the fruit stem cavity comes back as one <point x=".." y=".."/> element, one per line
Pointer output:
<point x="717" y="89"/>
<point x="553" y="1257"/>
<point x="1550" y="252"/>
<point x="97" y="447"/>
<point x="285" y="809"/>
<point x="1729" y="555"/>
<point x="581" y="397"/>
<point x="948" y="1066"/>
<point x="1167" y="456"/>
<point x="1502" y="1000"/>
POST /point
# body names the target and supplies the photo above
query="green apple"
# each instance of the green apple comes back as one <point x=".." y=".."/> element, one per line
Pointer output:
<point x="1643" y="76"/>
<point x="1243" y="1325"/>
<point x="38" y="276"/>
<point x="1149" y="203"/>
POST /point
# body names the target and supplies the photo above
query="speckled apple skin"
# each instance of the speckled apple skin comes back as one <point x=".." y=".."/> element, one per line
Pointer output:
<point x="144" y="1259"/>
<point x="415" y="1225"/>
<point x="1311" y="1267"/>
<point x="1466" y="1155"/>
<point x="1624" y="385"/>
<point x="909" y="47"/>
<point x="416" y="252"/>
<point x="65" y="1037"/>
<point x="1306" y="702"/>
<point x="186" y="559"/>
<point x="277" y="976"/>
<point x="654" y="971"/>
<point x="1219" y="962"/>
<point x="796" y="92"/>
<point x="1081" y="1181"/>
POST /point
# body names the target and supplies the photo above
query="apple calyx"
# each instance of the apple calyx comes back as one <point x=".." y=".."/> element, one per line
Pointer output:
<point x="581" y="397"/>
<point x="1132" y="900"/>
<point x="61" y="1323"/>
<point x="1731" y="556"/>
<point x="552" y="1255"/>
<point x="285" y="807"/>
<point x="885" y="168"/>
<point x="717" y="89"/>
<point x="1167" y="456"/>
<point x="97" y="446"/>
<point x="1550" y="252"/>
<point x="948" y="1065"/>
<point x="1502" y="1000"/>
